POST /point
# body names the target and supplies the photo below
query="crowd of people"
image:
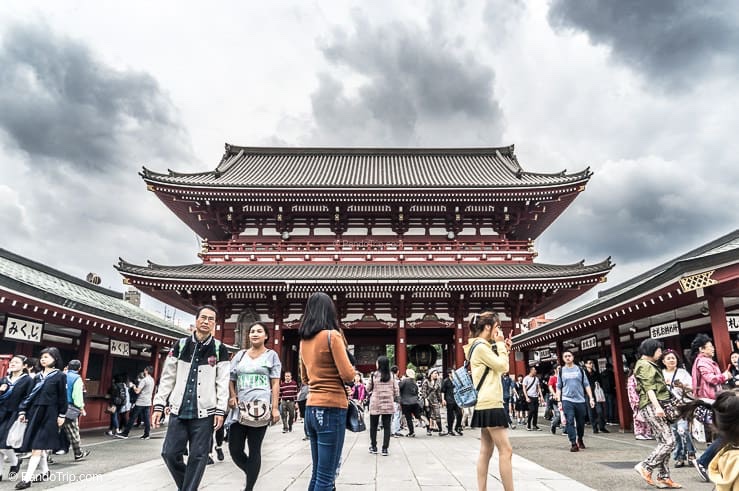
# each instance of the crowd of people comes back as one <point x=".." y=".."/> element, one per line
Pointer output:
<point x="206" y="397"/>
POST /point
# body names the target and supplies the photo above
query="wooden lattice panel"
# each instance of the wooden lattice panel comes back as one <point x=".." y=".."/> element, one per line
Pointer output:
<point x="700" y="280"/>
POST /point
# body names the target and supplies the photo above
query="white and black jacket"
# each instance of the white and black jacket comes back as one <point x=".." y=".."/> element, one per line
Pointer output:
<point x="213" y="376"/>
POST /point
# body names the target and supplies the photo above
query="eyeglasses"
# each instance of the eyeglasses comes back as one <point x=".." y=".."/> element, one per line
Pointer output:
<point x="207" y="318"/>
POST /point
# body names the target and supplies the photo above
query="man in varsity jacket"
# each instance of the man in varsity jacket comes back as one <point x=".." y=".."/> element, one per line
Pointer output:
<point x="194" y="383"/>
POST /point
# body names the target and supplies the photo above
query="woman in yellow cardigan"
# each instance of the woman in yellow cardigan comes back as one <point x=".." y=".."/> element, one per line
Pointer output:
<point x="487" y="351"/>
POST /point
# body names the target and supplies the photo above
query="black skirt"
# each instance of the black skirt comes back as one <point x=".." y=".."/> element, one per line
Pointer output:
<point x="489" y="418"/>
<point x="42" y="432"/>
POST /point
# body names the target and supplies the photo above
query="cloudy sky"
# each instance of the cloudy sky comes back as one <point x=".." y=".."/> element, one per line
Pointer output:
<point x="645" y="93"/>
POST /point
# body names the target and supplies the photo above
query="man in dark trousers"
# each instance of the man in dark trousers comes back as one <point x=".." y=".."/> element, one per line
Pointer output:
<point x="452" y="409"/>
<point x="195" y="382"/>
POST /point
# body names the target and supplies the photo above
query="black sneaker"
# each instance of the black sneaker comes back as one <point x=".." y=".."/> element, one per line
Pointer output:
<point x="373" y="450"/>
<point x="123" y="436"/>
<point x="603" y="430"/>
<point x="384" y="452"/>
<point x="701" y="470"/>
<point x="219" y="454"/>
<point x="82" y="455"/>
<point x="210" y="460"/>
<point x="574" y="448"/>
<point x="144" y="437"/>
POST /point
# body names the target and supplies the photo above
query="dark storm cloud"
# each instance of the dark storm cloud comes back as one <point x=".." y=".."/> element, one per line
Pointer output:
<point x="643" y="211"/>
<point x="403" y="81"/>
<point x="57" y="101"/>
<point x="673" y="42"/>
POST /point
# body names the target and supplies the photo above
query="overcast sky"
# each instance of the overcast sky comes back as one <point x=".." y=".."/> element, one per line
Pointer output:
<point x="644" y="93"/>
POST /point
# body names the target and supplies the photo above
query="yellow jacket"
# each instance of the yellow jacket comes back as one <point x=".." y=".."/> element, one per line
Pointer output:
<point x="491" y="392"/>
<point x="723" y="470"/>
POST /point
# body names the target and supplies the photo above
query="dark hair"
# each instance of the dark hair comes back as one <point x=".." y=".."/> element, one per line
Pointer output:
<point x="726" y="409"/>
<point x="74" y="365"/>
<point x="394" y="369"/>
<point x="479" y="321"/>
<point x="649" y="347"/>
<point x="383" y="365"/>
<point x="258" y="323"/>
<point x="23" y="359"/>
<point x="203" y="307"/>
<point x="568" y="351"/>
<point x="670" y="351"/>
<point x="699" y="342"/>
<point x="149" y="369"/>
<point x="54" y="353"/>
<point x="320" y="314"/>
<point x="31" y="363"/>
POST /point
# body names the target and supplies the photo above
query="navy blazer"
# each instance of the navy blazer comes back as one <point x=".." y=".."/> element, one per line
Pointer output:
<point x="49" y="391"/>
<point x="21" y="389"/>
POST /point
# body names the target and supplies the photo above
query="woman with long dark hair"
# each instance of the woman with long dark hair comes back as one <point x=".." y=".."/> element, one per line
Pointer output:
<point x="383" y="387"/>
<point x="325" y="366"/>
<point x="14" y="388"/>
<point x="653" y="394"/>
<point x="255" y="380"/>
<point x="487" y="351"/>
<point x="44" y="410"/>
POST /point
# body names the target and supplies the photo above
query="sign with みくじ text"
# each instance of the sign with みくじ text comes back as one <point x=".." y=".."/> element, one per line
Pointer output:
<point x="23" y="329"/>
<point x="665" y="330"/>
<point x="120" y="348"/>
<point x="732" y="322"/>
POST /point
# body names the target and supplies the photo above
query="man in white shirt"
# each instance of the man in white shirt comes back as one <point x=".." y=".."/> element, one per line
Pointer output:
<point x="142" y="406"/>
<point x="532" y="392"/>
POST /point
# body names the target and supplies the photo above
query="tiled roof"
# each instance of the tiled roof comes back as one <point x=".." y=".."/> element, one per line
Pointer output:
<point x="724" y="250"/>
<point x="49" y="285"/>
<point x="354" y="272"/>
<point x="409" y="168"/>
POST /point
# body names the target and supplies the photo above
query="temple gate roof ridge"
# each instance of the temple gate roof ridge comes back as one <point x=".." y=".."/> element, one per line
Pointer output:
<point x="367" y="167"/>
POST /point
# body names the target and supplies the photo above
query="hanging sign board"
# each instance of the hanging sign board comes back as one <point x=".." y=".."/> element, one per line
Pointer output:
<point x="120" y="348"/>
<point x="544" y="354"/>
<point x="589" y="343"/>
<point x="23" y="330"/>
<point x="732" y="321"/>
<point x="665" y="330"/>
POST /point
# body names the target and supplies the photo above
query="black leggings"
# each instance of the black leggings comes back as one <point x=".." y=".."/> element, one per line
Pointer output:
<point x="533" y="417"/>
<point x="386" y="430"/>
<point x="219" y="435"/>
<point x="239" y="436"/>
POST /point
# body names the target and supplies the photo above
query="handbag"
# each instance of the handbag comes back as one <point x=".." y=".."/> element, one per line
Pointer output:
<point x="598" y="393"/>
<point x="15" y="434"/>
<point x="355" y="417"/>
<point x="354" y="411"/>
<point x="671" y="408"/>
<point x="254" y="413"/>
<point x="73" y="412"/>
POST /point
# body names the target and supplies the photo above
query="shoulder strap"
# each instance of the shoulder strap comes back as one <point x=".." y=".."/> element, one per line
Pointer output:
<point x="218" y="349"/>
<point x="487" y="368"/>
<point x="183" y="342"/>
<point x="341" y="382"/>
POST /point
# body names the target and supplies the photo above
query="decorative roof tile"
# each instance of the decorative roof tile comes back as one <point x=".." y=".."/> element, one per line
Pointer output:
<point x="407" y="168"/>
<point x="352" y="272"/>
<point x="47" y="284"/>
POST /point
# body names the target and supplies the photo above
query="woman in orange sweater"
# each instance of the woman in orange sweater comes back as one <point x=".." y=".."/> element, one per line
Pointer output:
<point x="325" y="367"/>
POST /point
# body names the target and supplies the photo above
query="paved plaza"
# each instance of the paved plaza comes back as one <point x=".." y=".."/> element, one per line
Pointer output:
<point x="541" y="462"/>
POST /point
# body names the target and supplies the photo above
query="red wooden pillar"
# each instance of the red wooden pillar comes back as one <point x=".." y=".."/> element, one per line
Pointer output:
<point x="155" y="361"/>
<point x="401" y="347"/>
<point x="275" y="339"/>
<point x="83" y="353"/>
<point x="558" y="350"/>
<point x="719" y="329"/>
<point x="459" y="342"/>
<point x="622" y="398"/>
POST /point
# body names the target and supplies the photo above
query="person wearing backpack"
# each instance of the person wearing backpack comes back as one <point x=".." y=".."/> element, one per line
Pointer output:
<point x="572" y="387"/>
<point x="194" y="380"/>
<point x="490" y="361"/>
<point x="118" y="397"/>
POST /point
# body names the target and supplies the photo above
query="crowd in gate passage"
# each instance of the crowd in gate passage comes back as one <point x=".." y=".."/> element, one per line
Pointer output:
<point x="207" y="398"/>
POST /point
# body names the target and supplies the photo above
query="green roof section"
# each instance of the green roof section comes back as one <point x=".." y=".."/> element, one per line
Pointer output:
<point x="36" y="280"/>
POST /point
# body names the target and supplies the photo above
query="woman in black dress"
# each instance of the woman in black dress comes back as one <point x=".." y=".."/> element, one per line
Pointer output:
<point x="14" y="387"/>
<point x="44" y="410"/>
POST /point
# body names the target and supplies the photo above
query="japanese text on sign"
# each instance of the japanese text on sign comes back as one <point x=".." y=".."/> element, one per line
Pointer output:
<point x="589" y="343"/>
<point x="732" y="321"/>
<point x="23" y="330"/>
<point x="119" y="348"/>
<point x="664" y="330"/>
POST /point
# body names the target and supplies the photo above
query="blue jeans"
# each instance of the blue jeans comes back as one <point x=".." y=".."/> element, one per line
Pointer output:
<point x="326" y="427"/>
<point x="683" y="441"/>
<point x="575" y="415"/>
<point x="707" y="456"/>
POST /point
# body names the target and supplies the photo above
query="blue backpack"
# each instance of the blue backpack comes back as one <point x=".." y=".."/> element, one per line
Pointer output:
<point x="465" y="392"/>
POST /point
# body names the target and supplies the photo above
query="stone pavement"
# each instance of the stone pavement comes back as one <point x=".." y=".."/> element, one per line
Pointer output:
<point x="541" y="461"/>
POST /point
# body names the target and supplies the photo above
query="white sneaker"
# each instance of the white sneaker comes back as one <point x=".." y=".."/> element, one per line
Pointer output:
<point x="642" y="437"/>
